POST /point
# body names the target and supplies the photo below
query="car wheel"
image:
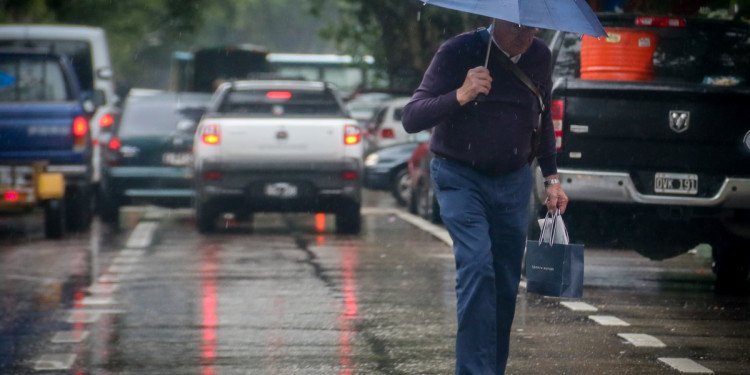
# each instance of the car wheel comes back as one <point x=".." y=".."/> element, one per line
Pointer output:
<point x="731" y="263"/>
<point x="54" y="219"/>
<point x="401" y="186"/>
<point x="205" y="218"/>
<point x="349" y="219"/>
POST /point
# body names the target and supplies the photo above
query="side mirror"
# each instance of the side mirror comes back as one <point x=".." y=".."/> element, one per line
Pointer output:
<point x="89" y="106"/>
<point x="99" y="98"/>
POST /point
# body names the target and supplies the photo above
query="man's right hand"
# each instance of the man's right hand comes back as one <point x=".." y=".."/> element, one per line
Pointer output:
<point x="478" y="81"/>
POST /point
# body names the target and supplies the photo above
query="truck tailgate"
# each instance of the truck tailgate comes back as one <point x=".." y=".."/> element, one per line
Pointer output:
<point x="647" y="126"/>
<point x="282" y="139"/>
<point x="41" y="127"/>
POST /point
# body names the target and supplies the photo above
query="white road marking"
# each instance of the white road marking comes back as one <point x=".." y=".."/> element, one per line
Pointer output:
<point x="70" y="337"/>
<point x="132" y="253"/>
<point x="642" y="340"/>
<point x="579" y="306"/>
<point x="608" y="320"/>
<point x="125" y="260"/>
<point x="55" y="362"/>
<point x="103" y="288"/>
<point x="97" y="301"/>
<point x="142" y="235"/>
<point x="120" y="268"/>
<point x="86" y="317"/>
<point x="686" y="366"/>
<point x="439" y="232"/>
<point x="109" y="278"/>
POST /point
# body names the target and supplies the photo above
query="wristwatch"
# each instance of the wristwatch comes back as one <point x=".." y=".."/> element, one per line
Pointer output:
<point x="551" y="181"/>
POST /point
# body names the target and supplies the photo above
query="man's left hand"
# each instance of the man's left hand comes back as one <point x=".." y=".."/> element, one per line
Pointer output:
<point x="556" y="198"/>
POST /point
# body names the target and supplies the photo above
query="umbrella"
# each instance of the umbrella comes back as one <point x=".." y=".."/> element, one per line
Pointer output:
<point x="565" y="15"/>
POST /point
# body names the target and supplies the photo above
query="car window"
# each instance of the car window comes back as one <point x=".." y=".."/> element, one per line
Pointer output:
<point x="32" y="80"/>
<point x="398" y="113"/>
<point x="78" y="52"/>
<point x="688" y="55"/>
<point x="281" y="103"/>
<point x="155" y="118"/>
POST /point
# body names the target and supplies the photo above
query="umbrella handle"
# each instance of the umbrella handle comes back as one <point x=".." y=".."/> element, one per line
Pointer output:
<point x="482" y="97"/>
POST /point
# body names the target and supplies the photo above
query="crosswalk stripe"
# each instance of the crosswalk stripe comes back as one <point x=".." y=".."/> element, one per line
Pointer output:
<point x="686" y="366"/>
<point x="642" y="340"/>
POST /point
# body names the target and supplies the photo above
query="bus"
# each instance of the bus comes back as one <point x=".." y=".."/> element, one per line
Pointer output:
<point x="204" y="69"/>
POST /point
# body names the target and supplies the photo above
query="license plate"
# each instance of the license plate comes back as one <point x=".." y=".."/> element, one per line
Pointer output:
<point x="676" y="183"/>
<point x="180" y="159"/>
<point x="281" y="190"/>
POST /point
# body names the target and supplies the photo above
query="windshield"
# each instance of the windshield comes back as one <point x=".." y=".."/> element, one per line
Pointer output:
<point x="31" y="80"/>
<point x="711" y="56"/>
<point x="281" y="103"/>
<point x="145" y="117"/>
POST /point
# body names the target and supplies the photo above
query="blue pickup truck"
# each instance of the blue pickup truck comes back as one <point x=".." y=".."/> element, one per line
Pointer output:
<point x="45" y="143"/>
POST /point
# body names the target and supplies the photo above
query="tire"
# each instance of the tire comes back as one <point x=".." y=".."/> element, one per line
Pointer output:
<point x="731" y="263"/>
<point x="401" y="186"/>
<point x="427" y="204"/>
<point x="54" y="219"/>
<point x="349" y="219"/>
<point x="205" y="218"/>
<point x="79" y="204"/>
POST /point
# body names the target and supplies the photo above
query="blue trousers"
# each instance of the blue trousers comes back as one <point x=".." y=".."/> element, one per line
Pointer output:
<point x="486" y="217"/>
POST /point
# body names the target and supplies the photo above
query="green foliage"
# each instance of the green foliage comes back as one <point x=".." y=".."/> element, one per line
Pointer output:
<point x="401" y="34"/>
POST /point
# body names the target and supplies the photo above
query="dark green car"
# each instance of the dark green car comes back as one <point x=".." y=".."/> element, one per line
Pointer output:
<point x="149" y="157"/>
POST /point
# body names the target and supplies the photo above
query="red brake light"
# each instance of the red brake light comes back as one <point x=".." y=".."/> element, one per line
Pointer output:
<point x="557" y="108"/>
<point x="11" y="196"/>
<point x="212" y="175"/>
<point x="106" y="121"/>
<point x="210" y="134"/>
<point x="283" y="95"/>
<point x="114" y="144"/>
<point x="352" y="135"/>
<point x="80" y="126"/>
<point x="660" y="21"/>
<point x="350" y="175"/>
<point x="387" y="133"/>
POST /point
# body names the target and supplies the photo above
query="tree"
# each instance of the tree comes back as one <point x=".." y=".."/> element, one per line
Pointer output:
<point x="402" y="35"/>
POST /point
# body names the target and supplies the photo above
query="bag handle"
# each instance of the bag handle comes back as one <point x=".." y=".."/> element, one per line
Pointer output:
<point x="553" y="229"/>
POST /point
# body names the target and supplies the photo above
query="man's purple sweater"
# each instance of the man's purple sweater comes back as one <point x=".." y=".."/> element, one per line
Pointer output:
<point x="494" y="136"/>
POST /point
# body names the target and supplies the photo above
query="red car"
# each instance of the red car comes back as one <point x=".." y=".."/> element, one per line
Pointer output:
<point x="422" y="201"/>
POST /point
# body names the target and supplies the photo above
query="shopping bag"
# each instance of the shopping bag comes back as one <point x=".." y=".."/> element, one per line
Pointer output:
<point x="554" y="269"/>
<point x="559" y="231"/>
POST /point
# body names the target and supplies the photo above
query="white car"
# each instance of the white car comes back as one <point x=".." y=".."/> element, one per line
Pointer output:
<point x="286" y="146"/>
<point x="385" y="128"/>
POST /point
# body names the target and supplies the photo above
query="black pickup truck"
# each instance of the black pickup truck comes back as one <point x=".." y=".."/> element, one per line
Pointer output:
<point x="654" y="137"/>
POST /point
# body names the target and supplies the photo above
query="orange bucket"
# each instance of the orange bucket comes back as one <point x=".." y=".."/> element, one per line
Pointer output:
<point x="625" y="55"/>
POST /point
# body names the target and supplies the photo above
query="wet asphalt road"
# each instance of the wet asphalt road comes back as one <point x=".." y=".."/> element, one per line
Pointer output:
<point x="286" y="295"/>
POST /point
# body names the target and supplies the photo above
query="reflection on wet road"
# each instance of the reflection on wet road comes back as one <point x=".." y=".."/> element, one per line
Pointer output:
<point x="285" y="295"/>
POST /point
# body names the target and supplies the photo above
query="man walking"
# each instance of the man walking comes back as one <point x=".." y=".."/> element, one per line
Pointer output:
<point x="482" y="177"/>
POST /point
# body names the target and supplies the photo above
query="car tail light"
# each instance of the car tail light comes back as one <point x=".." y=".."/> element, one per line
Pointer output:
<point x="212" y="175"/>
<point x="114" y="144"/>
<point x="11" y="196"/>
<point x="106" y="121"/>
<point x="210" y="134"/>
<point x="80" y="130"/>
<point x="387" y="133"/>
<point x="280" y="95"/>
<point x="660" y="21"/>
<point x="350" y="175"/>
<point x="558" y="109"/>
<point x="352" y="135"/>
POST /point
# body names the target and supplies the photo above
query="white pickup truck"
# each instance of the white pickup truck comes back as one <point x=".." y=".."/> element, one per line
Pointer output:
<point x="278" y="146"/>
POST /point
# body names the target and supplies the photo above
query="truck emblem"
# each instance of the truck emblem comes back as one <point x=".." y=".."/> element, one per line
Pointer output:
<point x="679" y="120"/>
<point x="282" y="134"/>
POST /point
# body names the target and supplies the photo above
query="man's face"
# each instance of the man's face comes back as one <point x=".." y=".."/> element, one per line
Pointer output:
<point x="513" y="39"/>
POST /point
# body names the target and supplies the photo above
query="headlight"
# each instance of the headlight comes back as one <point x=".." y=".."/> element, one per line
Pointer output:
<point x="747" y="140"/>
<point x="371" y="160"/>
